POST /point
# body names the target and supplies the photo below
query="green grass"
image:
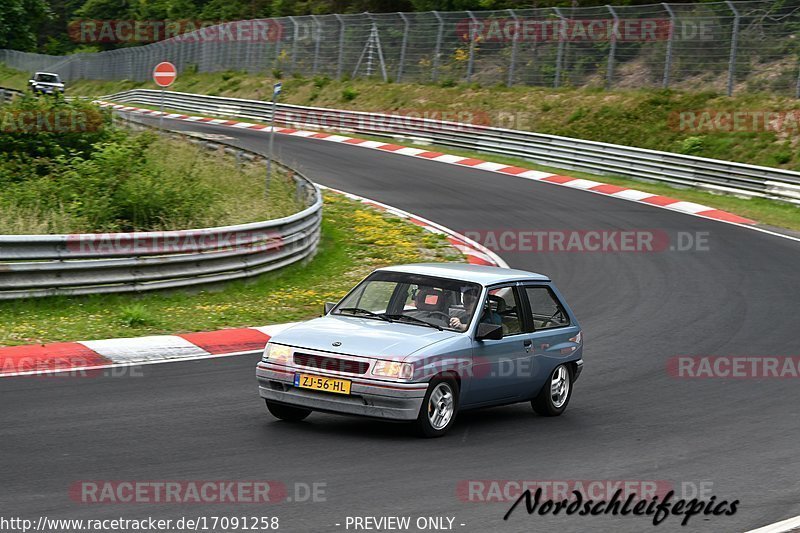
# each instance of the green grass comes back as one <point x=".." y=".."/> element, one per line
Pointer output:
<point x="175" y="185"/>
<point x="355" y="240"/>
<point x="643" y="118"/>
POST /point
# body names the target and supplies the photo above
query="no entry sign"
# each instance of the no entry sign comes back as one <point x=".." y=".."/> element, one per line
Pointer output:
<point x="164" y="74"/>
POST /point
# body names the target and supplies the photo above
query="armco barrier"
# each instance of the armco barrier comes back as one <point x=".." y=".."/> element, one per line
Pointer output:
<point x="7" y="94"/>
<point x="45" y="265"/>
<point x="562" y="152"/>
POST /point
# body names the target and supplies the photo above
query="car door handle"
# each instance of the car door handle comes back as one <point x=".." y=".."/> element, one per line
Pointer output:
<point x="527" y="344"/>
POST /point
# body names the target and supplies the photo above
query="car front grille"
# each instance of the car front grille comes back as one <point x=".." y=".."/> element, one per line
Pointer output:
<point x="331" y="363"/>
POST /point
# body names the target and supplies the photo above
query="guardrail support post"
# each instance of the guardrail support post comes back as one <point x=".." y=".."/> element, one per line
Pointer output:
<point x="403" y="47"/>
<point x="613" y="48"/>
<point x="438" y="49"/>
<point x="512" y="63"/>
<point x="670" y="41"/>
<point x="734" y="44"/>
<point x="472" y="30"/>
<point x="562" y="42"/>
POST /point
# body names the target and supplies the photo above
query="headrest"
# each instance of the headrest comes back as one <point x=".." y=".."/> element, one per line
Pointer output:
<point x="430" y="300"/>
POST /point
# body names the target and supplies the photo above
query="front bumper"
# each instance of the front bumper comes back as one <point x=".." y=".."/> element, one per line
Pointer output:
<point x="368" y="397"/>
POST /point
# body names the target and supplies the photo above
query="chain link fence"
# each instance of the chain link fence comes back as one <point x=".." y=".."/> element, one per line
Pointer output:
<point x="723" y="46"/>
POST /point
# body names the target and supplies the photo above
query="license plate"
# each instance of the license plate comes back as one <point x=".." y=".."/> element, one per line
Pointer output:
<point x="306" y="381"/>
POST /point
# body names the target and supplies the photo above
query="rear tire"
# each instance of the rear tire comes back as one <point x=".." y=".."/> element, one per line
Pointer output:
<point x="439" y="408"/>
<point x="556" y="392"/>
<point x="287" y="412"/>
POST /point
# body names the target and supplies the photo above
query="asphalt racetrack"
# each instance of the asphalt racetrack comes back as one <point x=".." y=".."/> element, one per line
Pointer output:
<point x="628" y="419"/>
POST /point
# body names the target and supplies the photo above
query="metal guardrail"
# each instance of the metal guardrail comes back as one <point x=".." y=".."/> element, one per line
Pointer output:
<point x="561" y="152"/>
<point x="6" y="94"/>
<point x="47" y="265"/>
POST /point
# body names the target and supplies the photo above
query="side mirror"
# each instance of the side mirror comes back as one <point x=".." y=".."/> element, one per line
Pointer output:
<point x="31" y="82"/>
<point x="329" y="307"/>
<point x="493" y="332"/>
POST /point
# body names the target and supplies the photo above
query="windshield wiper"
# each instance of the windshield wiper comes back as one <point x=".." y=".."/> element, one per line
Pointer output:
<point x="416" y="320"/>
<point x="355" y="310"/>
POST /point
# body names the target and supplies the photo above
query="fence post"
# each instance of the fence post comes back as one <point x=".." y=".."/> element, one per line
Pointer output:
<point x="668" y="56"/>
<point x="318" y="27"/>
<point x="278" y="45"/>
<point x="613" y="49"/>
<point x="734" y="43"/>
<point x="341" y="47"/>
<point x="295" y="36"/>
<point x="797" y="88"/>
<point x="403" y="47"/>
<point x="512" y="64"/>
<point x="562" y="42"/>
<point x="438" y="49"/>
<point x="471" y="35"/>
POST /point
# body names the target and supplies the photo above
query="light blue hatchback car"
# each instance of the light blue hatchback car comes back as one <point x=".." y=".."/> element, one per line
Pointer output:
<point x="419" y="343"/>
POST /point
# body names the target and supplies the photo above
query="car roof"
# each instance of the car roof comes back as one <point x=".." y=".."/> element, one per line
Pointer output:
<point x="485" y="275"/>
<point x="48" y="73"/>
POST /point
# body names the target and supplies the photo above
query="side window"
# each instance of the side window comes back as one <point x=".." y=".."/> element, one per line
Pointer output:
<point x="502" y="307"/>
<point x="547" y="312"/>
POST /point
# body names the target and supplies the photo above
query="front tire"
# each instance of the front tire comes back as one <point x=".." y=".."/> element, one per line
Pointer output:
<point x="439" y="408"/>
<point x="287" y="412"/>
<point x="556" y="392"/>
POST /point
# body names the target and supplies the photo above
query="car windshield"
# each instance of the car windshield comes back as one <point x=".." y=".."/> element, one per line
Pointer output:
<point x="47" y="78"/>
<point x="413" y="299"/>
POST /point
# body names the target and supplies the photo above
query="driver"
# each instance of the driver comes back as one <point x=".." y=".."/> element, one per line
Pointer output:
<point x="460" y="318"/>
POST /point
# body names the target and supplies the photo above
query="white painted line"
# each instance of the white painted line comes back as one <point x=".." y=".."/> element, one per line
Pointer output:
<point x="582" y="184"/>
<point x="447" y="158"/>
<point x="688" y="207"/>
<point x="150" y="348"/>
<point x="779" y="527"/>
<point x="535" y="174"/>
<point x="632" y="194"/>
<point x="337" y="138"/>
<point x="490" y="166"/>
<point x="409" y="151"/>
<point x="371" y="144"/>
<point x="132" y="363"/>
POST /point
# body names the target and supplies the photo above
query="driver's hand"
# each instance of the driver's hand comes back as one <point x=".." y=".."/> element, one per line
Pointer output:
<point x="456" y="323"/>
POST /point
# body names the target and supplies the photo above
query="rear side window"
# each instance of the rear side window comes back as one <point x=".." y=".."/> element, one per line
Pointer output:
<point x="546" y="310"/>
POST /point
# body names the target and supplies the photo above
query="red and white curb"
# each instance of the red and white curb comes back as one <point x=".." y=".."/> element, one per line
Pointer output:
<point x="615" y="191"/>
<point x="85" y="356"/>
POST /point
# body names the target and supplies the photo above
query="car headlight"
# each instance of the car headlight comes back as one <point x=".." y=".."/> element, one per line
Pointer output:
<point x="277" y="353"/>
<point x="393" y="369"/>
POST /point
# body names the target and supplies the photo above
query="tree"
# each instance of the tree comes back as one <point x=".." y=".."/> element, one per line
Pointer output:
<point x="19" y="21"/>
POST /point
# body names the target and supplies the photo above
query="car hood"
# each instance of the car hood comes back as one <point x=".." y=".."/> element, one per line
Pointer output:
<point x="361" y="336"/>
<point x="48" y="84"/>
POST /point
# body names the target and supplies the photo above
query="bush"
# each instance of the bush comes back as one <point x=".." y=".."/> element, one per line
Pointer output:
<point x="349" y="94"/>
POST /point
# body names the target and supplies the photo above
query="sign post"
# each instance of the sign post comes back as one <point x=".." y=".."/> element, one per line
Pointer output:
<point x="164" y="75"/>
<point x="276" y="91"/>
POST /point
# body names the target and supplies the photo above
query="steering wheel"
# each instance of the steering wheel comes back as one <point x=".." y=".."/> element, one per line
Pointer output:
<point x="444" y="316"/>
